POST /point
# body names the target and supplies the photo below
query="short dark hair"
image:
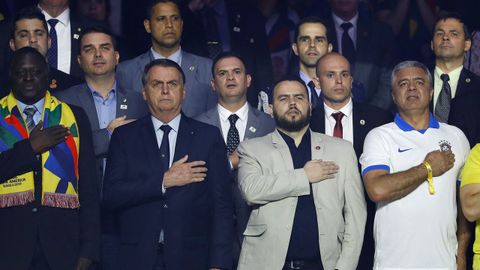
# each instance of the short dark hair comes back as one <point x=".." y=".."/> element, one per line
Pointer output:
<point x="27" y="51"/>
<point x="292" y="78"/>
<point x="454" y="16"/>
<point x="228" y="54"/>
<point x="167" y="63"/>
<point x="152" y="3"/>
<point x="96" y="29"/>
<point x="28" y="13"/>
<point x="310" y="19"/>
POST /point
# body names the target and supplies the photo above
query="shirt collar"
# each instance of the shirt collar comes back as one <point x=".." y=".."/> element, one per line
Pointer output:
<point x="453" y="75"/>
<point x="338" y="21"/>
<point x="174" y="124"/>
<point x="403" y="125"/>
<point x="38" y="105"/>
<point x="242" y="113"/>
<point x="304" y="77"/>
<point x="63" y="18"/>
<point x="110" y="94"/>
<point x="175" y="57"/>
<point x="346" y="110"/>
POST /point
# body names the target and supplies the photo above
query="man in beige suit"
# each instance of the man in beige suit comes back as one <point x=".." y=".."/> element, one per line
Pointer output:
<point x="308" y="203"/>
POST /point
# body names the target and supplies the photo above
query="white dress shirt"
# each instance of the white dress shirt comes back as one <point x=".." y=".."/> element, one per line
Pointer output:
<point x="241" y="123"/>
<point x="347" y="121"/>
<point x="38" y="106"/>
<point x="352" y="32"/>
<point x="306" y="80"/>
<point x="175" y="57"/>
<point x="454" y="76"/>
<point x="64" y="39"/>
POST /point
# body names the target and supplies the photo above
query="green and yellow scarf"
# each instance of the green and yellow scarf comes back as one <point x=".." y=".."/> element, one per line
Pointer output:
<point x="59" y="164"/>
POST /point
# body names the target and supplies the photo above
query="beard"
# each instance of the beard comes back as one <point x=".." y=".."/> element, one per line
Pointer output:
<point x="293" y="125"/>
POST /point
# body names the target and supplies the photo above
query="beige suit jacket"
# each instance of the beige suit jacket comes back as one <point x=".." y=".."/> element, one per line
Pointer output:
<point x="269" y="182"/>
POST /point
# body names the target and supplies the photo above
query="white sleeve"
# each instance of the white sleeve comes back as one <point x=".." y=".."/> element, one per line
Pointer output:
<point x="376" y="153"/>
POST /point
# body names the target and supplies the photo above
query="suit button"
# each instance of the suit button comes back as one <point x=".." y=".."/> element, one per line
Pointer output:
<point x="35" y="172"/>
<point x="34" y="209"/>
<point x="165" y="205"/>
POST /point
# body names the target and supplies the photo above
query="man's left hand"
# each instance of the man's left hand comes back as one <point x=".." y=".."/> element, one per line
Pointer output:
<point x="83" y="264"/>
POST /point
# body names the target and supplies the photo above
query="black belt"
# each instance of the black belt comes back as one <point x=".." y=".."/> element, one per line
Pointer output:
<point x="300" y="264"/>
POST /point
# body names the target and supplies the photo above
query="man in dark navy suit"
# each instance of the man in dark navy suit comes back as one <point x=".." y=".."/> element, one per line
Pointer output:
<point x="339" y="116"/>
<point x="168" y="179"/>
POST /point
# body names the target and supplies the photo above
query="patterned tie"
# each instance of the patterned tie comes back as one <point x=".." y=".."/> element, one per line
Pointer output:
<point x="233" y="139"/>
<point x="165" y="147"/>
<point x="338" y="129"/>
<point x="214" y="43"/>
<point x="442" y="108"/>
<point x="348" y="50"/>
<point x="314" y="99"/>
<point x="53" y="50"/>
<point x="30" y="111"/>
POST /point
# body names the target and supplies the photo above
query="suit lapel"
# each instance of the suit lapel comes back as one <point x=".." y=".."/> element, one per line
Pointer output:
<point x="317" y="146"/>
<point x="252" y="123"/>
<point x="150" y="142"/>
<point x="185" y="137"/>
<point x="359" y="128"/>
<point x="282" y="148"/>
<point x="85" y="97"/>
<point x="122" y="103"/>
<point x="463" y="85"/>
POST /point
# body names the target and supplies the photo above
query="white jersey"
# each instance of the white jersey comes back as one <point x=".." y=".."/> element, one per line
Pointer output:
<point x="417" y="231"/>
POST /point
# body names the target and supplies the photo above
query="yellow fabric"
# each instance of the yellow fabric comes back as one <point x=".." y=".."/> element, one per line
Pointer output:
<point x="19" y="190"/>
<point x="471" y="175"/>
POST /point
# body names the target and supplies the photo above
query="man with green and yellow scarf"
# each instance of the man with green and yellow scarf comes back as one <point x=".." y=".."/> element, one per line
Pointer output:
<point x="49" y="204"/>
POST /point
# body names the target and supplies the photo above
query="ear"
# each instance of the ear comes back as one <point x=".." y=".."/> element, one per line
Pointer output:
<point x="212" y="83"/>
<point x="431" y="45"/>
<point x="330" y="47"/>
<point x="295" y="48"/>
<point x="144" y="94"/>
<point x="146" y="25"/>
<point x="12" y="44"/>
<point x="468" y="45"/>
<point x="117" y="57"/>
<point x="79" y="60"/>
<point x="249" y="80"/>
<point x="316" y="81"/>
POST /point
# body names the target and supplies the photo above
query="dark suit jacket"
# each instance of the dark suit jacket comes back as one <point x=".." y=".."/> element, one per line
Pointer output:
<point x="465" y="114"/>
<point x="196" y="218"/>
<point x="468" y="82"/>
<point x="247" y="38"/>
<point x="365" y="118"/>
<point x="64" y="234"/>
<point x="77" y="25"/>
<point x="130" y="104"/>
<point x="374" y="59"/>
<point x="199" y="94"/>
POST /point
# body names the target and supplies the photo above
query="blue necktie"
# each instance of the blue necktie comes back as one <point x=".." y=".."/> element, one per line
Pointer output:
<point x="348" y="49"/>
<point x="165" y="147"/>
<point x="52" y="53"/>
<point x="30" y="112"/>
<point x="233" y="138"/>
<point x="314" y="98"/>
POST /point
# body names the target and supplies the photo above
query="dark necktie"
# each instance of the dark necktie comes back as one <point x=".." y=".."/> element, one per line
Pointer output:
<point x="233" y="138"/>
<point x="165" y="147"/>
<point x="214" y="44"/>
<point x="29" y="112"/>
<point x="348" y="49"/>
<point x="442" y="108"/>
<point x="314" y="98"/>
<point x="338" y="129"/>
<point x="52" y="53"/>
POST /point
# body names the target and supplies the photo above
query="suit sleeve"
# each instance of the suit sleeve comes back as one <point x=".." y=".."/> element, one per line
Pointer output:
<point x="88" y="185"/>
<point x="259" y="185"/>
<point x="355" y="215"/>
<point x="221" y="180"/>
<point x="17" y="160"/>
<point x="120" y="188"/>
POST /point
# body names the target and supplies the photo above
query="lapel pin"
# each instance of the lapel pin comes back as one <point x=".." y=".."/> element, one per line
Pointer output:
<point x="76" y="36"/>
<point x="191" y="68"/>
<point x="79" y="29"/>
<point x="252" y="40"/>
<point x="317" y="147"/>
<point x="252" y="129"/>
<point x="123" y="106"/>
<point x="362" y="122"/>
<point x="124" y="100"/>
<point x="467" y="80"/>
<point x="53" y="84"/>
<point x="191" y="132"/>
<point x="236" y="29"/>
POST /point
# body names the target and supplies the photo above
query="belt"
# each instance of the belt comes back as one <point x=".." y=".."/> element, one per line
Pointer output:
<point x="300" y="264"/>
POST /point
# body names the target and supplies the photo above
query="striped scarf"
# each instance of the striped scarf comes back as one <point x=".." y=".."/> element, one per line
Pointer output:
<point x="59" y="164"/>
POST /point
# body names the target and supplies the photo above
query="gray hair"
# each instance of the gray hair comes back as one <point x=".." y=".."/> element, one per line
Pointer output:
<point x="410" y="64"/>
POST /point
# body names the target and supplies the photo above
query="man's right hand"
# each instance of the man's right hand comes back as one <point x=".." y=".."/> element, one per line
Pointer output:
<point x="119" y="121"/>
<point x="182" y="173"/>
<point x="440" y="161"/>
<point x="42" y="139"/>
<point x="318" y="170"/>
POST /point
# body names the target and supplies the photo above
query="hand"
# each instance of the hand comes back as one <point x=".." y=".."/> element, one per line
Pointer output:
<point x="119" y="121"/>
<point x="234" y="159"/>
<point x="183" y="173"/>
<point x="83" y="264"/>
<point x="318" y="170"/>
<point x="43" y="139"/>
<point x="440" y="161"/>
